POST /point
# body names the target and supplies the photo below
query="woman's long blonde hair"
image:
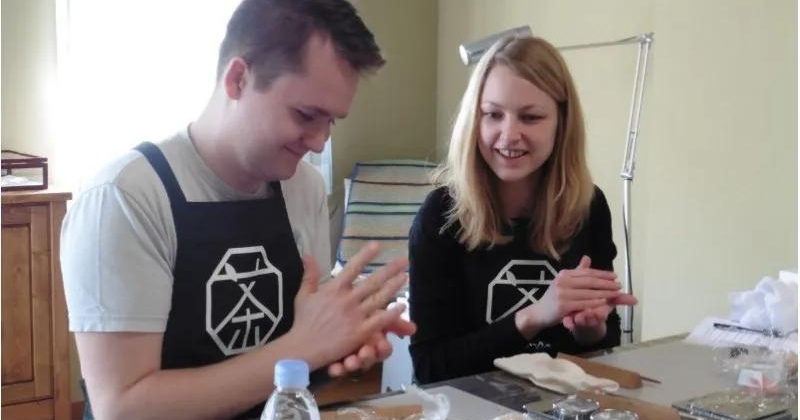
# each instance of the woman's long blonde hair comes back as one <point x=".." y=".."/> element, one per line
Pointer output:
<point x="564" y="191"/>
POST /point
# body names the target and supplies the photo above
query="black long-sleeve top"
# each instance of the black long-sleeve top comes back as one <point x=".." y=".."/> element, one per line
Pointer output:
<point x="463" y="302"/>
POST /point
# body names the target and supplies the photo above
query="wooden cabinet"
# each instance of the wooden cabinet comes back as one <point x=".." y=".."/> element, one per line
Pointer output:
<point x="35" y="340"/>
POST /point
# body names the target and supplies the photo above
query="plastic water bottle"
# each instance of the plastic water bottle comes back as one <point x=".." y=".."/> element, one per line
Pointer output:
<point x="291" y="399"/>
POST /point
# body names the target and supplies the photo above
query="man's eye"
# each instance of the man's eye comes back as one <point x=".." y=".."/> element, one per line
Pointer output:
<point x="304" y="116"/>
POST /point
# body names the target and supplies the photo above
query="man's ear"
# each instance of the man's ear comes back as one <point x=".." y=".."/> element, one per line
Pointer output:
<point x="234" y="78"/>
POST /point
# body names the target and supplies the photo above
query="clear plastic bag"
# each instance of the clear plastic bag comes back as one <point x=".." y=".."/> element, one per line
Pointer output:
<point x="757" y="374"/>
<point x="434" y="407"/>
<point x="776" y="367"/>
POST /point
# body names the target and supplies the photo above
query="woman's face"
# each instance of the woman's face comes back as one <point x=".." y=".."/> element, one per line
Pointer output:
<point x="518" y="123"/>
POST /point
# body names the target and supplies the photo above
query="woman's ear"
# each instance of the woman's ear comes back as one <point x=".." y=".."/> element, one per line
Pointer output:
<point x="234" y="78"/>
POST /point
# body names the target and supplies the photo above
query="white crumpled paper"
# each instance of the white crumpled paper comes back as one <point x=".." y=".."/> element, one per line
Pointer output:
<point x="771" y="305"/>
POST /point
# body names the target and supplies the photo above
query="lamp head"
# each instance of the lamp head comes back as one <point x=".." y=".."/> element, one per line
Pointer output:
<point x="471" y="52"/>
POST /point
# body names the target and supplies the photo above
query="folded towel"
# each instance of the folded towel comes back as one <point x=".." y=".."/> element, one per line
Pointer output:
<point x="557" y="375"/>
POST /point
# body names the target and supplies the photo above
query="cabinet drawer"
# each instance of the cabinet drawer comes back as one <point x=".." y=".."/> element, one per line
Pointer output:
<point x="37" y="410"/>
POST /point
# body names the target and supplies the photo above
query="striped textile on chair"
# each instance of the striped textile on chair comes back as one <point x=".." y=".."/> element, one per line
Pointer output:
<point x="383" y="199"/>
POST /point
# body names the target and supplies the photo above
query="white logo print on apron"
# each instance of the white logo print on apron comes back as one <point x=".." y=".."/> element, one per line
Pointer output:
<point x="249" y="323"/>
<point x="535" y="276"/>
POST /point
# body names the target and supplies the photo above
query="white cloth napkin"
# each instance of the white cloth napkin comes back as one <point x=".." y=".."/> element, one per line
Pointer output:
<point x="557" y="375"/>
<point x="771" y="305"/>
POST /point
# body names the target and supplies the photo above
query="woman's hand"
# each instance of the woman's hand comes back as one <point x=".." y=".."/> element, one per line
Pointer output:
<point x="571" y="292"/>
<point x="598" y="315"/>
<point x="589" y="325"/>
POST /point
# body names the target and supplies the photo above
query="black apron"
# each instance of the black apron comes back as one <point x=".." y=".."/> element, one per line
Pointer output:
<point x="236" y="274"/>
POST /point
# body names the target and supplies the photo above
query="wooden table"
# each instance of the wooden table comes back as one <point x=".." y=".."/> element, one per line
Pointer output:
<point x="685" y="371"/>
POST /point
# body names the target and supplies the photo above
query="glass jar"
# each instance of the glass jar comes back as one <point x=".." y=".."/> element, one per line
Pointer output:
<point x="614" y="415"/>
<point x="575" y="408"/>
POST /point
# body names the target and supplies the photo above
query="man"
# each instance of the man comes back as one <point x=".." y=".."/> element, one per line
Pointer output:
<point x="181" y="260"/>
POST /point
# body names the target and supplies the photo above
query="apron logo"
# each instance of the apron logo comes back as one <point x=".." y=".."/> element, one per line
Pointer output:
<point x="236" y="319"/>
<point x="520" y="281"/>
<point x="539" y="346"/>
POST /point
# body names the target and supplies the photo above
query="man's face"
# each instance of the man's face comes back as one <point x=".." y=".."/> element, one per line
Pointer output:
<point x="274" y="128"/>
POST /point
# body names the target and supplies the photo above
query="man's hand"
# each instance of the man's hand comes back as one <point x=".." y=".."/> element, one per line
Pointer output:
<point x="376" y="349"/>
<point x="346" y="325"/>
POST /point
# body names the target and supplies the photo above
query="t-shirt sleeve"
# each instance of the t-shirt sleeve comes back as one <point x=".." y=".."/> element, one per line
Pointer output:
<point x="603" y="252"/>
<point x="321" y="245"/>
<point x="115" y="263"/>
<point x="307" y="208"/>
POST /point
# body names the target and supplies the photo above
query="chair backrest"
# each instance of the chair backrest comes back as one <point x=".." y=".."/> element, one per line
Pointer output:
<point x="382" y="200"/>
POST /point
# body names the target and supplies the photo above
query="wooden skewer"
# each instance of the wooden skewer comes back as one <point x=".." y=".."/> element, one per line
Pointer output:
<point x="625" y="378"/>
<point x="645" y="378"/>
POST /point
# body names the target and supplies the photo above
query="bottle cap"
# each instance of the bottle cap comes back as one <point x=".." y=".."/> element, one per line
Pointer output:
<point x="291" y="373"/>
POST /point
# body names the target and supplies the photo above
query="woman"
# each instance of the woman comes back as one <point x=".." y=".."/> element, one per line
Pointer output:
<point x="513" y="252"/>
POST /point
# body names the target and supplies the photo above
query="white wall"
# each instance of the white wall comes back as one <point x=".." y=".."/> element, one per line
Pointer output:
<point x="715" y="193"/>
<point x="28" y="57"/>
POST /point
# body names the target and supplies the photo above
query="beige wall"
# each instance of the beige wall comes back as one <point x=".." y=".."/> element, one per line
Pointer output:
<point x="715" y="193"/>
<point x="394" y="113"/>
<point x="28" y="59"/>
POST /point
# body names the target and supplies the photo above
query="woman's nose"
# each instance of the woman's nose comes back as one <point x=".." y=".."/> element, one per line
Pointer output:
<point x="510" y="131"/>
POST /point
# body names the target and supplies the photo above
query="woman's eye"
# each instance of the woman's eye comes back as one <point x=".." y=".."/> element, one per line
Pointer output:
<point x="530" y="118"/>
<point x="493" y="115"/>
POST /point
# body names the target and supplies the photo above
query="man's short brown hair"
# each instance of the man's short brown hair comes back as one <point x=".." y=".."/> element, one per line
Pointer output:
<point x="271" y="35"/>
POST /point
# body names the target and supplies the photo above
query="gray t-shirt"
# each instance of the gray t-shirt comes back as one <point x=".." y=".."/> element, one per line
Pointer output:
<point x="118" y="240"/>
